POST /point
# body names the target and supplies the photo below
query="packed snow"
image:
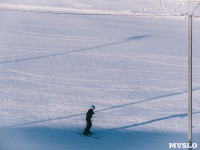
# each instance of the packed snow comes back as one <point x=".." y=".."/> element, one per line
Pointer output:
<point x="59" y="57"/>
<point x="123" y="7"/>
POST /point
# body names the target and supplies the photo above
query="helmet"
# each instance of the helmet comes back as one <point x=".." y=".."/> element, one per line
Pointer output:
<point x="92" y="106"/>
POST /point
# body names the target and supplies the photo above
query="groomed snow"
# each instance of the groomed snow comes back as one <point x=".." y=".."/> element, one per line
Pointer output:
<point x="133" y="69"/>
<point x="125" y="7"/>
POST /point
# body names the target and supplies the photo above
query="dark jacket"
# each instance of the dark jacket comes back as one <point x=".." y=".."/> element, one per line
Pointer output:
<point x="89" y="114"/>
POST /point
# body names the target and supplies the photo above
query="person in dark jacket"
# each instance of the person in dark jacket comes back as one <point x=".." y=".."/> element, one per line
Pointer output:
<point x="88" y="120"/>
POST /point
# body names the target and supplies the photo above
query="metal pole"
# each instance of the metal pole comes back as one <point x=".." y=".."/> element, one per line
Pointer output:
<point x="190" y="80"/>
<point x="190" y="74"/>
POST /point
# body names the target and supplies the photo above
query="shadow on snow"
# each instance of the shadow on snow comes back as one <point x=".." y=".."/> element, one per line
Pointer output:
<point x="66" y="139"/>
<point x="116" y="107"/>
<point x="129" y="39"/>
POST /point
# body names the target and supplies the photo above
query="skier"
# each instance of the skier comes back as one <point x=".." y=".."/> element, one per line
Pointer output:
<point x="88" y="120"/>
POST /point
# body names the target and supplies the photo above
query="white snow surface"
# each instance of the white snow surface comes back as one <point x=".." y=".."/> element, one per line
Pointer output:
<point x="123" y="7"/>
<point x="59" y="57"/>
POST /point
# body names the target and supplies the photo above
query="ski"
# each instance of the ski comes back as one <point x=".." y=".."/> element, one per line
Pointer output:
<point x="89" y="135"/>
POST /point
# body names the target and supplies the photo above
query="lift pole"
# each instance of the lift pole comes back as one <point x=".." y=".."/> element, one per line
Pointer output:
<point x="190" y="14"/>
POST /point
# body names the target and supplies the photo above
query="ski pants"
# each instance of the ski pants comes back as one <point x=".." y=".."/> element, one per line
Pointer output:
<point x="89" y="125"/>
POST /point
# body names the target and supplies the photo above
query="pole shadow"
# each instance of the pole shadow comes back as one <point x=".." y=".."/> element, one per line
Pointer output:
<point x="110" y="108"/>
<point x="154" y="120"/>
<point x="129" y="39"/>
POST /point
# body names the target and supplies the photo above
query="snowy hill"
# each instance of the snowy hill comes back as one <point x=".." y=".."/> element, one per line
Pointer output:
<point x="56" y="61"/>
<point x="126" y="7"/>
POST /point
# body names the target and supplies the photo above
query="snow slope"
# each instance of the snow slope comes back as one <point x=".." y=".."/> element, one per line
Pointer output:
<point x="125" y="7"/>
<point x="134" y="69"/>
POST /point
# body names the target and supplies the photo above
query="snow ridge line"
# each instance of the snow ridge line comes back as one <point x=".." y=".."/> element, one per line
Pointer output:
<point x="63" y="9"/>
<point x="73" y="11"/>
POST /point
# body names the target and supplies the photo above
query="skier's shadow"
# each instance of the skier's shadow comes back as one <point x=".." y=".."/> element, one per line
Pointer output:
<point x="129" y="39"/>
